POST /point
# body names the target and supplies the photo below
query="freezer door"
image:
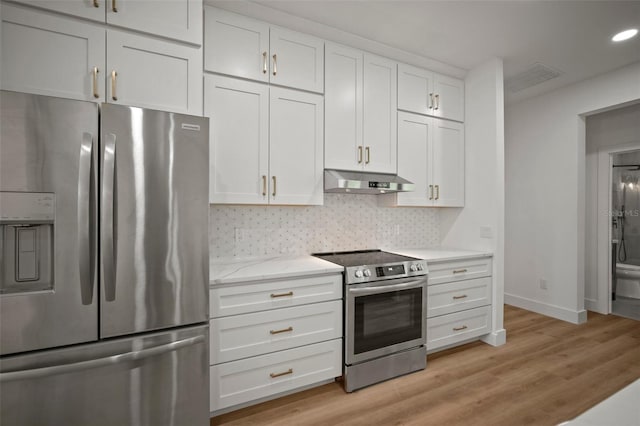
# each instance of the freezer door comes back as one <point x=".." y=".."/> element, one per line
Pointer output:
<point x="156" y="379"/>
<point x="154" y="220"/>
<point x="48" y="249"/>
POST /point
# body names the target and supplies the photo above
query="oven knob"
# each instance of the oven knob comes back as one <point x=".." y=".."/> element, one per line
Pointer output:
<point x="358" y="273"/>
<point x="420" y="268"/>
<point x="367" y="273"/>
<point x="413" y="268"/>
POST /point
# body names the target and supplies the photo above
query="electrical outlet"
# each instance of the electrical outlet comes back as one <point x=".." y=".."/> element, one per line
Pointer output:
<point x="543" y="284"/>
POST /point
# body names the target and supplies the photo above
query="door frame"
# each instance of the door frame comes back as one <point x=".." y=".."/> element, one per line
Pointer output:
<point x="603" y="233"/>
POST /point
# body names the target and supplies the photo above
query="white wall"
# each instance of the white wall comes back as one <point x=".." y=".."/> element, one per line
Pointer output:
<point x="545" y="192"/>
<point x="605" y="131"/>
<point x="484" y="180"/>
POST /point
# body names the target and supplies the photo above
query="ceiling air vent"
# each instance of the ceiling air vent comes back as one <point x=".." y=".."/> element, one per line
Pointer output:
<point x="538" y="73"/>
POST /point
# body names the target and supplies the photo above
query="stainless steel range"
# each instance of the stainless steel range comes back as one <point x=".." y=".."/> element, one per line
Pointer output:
<point x="385" y="315"/>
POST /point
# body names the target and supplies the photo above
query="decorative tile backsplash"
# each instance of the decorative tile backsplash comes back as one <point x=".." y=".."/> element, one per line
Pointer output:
<point x="344" y="222"/>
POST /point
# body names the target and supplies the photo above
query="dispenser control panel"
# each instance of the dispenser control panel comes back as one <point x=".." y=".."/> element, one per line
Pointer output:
<point x="31" y="207"/>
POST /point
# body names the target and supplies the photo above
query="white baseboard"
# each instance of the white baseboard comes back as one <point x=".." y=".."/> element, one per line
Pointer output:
<point x="495" y="338"/>
<point x="564" y="314"/>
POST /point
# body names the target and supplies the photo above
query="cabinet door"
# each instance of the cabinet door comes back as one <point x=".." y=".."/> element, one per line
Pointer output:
<point x="380" y="113"/>
<point x="449" y="102"/>
<point x="297" y="60"/>
<point x="88" y="9"/>
<point x="415" y="89"/>
<point x="33" y="44"/>
<point x="176" y="19"/>
<point x="235" y="45"/>
<point x="414" y="157"/>
<point x="448" y="163"/>
<point x="153" y="73"/>
<point x="295" y="144"/>
<point x="239" y="146"/>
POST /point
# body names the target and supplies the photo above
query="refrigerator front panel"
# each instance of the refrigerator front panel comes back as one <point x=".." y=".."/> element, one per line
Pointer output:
<point x="156" y="379"/>
<point x="48" y="160"/>
<point x="154" y="220"/>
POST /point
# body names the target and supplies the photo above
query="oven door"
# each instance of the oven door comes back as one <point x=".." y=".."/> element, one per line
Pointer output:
<point x="384" y="317"/>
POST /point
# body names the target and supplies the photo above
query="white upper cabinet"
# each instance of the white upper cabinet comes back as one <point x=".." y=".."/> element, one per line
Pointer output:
<point x="175" y="19"/>
<point x="425" y="92"/>
<point x="265" y="143"/>
<point x="99" y="65"/>
<point x="380" y="111"/>
<point x="152" y="73"/>
<point x="431" y="155"/>
<point x="343" y="108"/>
<point x="33" y="44"/>
<point x="295" y="147"/>
<point x="238" y="141"/>
<point x="360" y="111"/>
<point x="243" y="47"/>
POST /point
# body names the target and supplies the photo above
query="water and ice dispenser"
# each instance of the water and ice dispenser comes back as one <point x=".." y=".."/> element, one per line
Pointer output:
<point x="27" y="221"/>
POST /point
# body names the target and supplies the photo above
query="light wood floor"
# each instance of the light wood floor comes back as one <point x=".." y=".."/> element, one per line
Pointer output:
<point x="549" y="371"/>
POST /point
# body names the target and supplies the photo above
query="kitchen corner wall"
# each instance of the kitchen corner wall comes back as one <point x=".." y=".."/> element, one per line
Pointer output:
<point x="344" y="222"/>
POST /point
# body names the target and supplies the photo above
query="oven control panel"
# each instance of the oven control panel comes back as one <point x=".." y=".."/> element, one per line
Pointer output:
<point x="368" y="273"/>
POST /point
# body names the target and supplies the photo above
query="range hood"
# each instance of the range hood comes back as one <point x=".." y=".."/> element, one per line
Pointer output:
<point x="364" y="183"/>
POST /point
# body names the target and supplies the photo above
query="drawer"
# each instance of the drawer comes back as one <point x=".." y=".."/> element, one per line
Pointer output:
<point x="243" y="336"/>
<point x="242" y="381"/>
<point x="257" y="296"/>
<point x="457" y="296"/>
<point x="457" y="327"/>
<point x="459" y="270"/>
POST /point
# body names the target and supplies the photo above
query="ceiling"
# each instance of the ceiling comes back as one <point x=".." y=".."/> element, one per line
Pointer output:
<point x="572" y="37"/>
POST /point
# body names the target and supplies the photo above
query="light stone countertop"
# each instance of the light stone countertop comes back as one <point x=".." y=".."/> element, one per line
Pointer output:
<point x="443" y="254"/>
<point x="235" y="270"/>
<point x="244" y="269"/>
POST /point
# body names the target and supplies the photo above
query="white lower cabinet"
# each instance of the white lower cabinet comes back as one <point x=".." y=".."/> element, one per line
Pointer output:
<point x="459" y="301"/>
<point x="241" y="381"/>
<point x="272" y="337"/>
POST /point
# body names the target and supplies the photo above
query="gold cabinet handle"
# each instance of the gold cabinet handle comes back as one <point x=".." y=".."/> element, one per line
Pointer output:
<point x="464" y="327"/>
<point x="114" y="7"/>
<point x="284" y="330"/>
<point x="437" y="192"/>
<point x="95" y="72"/>
<point x="431" y="98"/>
<point x="284" y="373"/>
<point x="360" y="155"/>
<point x="275" y="64"/>
<point x="95" y="3"/>
<point x="459" y="297"/>
<point x="264" y="62"/>
<point x="114" y="77"/>
<point x="274" y="295"/>
<point x="368" y="156"/>
<point x="273" y="178"/>
<point x="264" y="185"/>
<point x="459" y="271"/>
<point x="437" y="102"/>
<point x="431" y="192"/>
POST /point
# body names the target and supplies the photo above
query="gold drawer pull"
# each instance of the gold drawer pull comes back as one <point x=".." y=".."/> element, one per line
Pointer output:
<point x="96" y="93"/>
<point x="460" y="297"/>
<point x="284" y="330"/>
<point x="264" y="185"/>
<point x="284" y="373"/>
<point x="464" y="327"/>
<point x="459" y="271"/>
<point x="274" y="295"/>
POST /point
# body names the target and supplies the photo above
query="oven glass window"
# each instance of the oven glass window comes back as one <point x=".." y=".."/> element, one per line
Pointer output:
<point x="386" y="319"/>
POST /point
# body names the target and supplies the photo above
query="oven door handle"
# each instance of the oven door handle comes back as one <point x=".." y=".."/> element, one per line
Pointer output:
<point x="387" y="288"/>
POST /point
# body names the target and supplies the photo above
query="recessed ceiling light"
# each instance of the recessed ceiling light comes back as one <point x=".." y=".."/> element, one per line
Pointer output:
<point x="625" y="35"/>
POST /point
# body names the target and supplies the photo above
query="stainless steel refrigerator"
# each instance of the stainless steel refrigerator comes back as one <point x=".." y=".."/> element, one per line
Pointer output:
<point x="103" y="264"/>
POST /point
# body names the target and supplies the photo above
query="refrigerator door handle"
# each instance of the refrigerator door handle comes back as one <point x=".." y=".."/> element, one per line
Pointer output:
<point x="107" y="225"/>
<point x="84" y="224"/>
<point x="36" y="373"/>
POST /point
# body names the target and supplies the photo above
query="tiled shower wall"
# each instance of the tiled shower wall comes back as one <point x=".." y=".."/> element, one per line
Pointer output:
<point x="344" y="222"/>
